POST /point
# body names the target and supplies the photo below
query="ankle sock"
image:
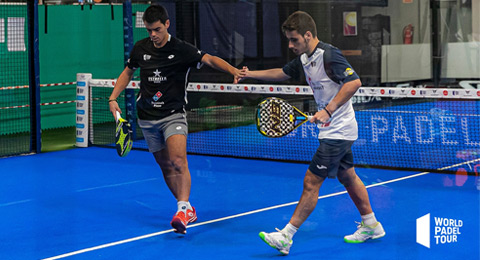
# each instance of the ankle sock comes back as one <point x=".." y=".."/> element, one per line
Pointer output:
<point x="369" y="219"/>
<point x="183" y="206"/>
<point x="289" y="230"/>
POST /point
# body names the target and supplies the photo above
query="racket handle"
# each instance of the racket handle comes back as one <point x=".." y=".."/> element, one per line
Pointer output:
<point x="118" y="116"/>
<point x="304" y="118"/>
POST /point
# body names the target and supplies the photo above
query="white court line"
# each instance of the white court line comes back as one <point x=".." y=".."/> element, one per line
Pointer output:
<point x="116" y="185"/>
<point x="81" y="190"/>
<point x="218" y="220"/>
<point x="15" y="202"/>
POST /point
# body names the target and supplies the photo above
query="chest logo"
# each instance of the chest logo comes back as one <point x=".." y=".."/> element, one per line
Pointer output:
<point x="157" y="96"/>
<point x="171" y="57"/>
<point x="157" y="78"/>
<point x="146" y="57"/>
<point x="315" y="85"/>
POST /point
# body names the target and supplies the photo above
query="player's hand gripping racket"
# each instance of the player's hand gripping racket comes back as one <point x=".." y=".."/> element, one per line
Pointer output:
<point x="123" y="136"/>
<point x="277" y="118"/>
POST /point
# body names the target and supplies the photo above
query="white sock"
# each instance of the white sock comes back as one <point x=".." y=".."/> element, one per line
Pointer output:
<point x="369" y="219"/>
<point x="289" y="230"/>
<point x="183" y="206"/>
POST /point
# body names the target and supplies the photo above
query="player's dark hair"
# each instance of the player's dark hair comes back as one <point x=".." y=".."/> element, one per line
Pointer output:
<point x="155" y="13"/>
<point x="301" y="22"/>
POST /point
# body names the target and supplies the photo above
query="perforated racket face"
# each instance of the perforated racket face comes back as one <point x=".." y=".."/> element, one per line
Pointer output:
<point x="123" y="137"/>
<point x="275" y="117"/>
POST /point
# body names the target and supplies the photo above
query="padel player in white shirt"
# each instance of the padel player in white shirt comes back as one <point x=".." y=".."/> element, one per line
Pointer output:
<point x="333" y="82"/>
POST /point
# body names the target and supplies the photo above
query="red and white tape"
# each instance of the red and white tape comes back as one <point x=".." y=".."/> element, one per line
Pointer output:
<point x="42" y="104"/>
<point x="41" y="85"/>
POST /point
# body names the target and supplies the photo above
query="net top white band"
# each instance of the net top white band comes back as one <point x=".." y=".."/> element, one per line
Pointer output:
<point x="306" y="90"/>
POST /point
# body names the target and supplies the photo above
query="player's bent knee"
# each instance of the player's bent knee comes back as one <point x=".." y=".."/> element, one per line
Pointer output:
<point x="312" y="182"/>
<point x="178" y="164"/>
<point x="346" y="179"/>
<point x="171" y="166"/>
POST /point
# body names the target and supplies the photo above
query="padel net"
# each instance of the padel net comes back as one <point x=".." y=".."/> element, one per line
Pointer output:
<point x="411" y="128"/>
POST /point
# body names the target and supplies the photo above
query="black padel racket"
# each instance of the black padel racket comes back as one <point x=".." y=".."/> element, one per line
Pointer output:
<point x="277" y="118"/>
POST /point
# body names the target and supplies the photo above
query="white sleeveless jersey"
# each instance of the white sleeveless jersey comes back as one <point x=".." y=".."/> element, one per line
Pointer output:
<point x="326" y="70"/>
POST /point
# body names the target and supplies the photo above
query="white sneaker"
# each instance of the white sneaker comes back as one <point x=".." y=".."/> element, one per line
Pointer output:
<point x="365" y="232"/>
<point x="277" y="240"/>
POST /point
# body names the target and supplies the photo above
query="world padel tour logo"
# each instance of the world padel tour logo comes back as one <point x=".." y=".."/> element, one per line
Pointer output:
<point x="445" y="230"/>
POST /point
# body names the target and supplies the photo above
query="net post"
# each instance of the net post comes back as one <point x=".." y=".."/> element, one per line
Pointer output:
<point x="83" y="109"/>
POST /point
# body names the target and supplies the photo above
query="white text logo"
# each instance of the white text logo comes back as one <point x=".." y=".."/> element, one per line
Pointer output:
<point x="446" y="230"/>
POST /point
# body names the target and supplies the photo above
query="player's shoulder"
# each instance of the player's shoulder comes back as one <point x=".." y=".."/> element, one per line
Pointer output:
<point x="329" y="49"/>
<point x="326" y="46"/>
<point x="179" y="43"/>
<point x="184" y="48"/>
<point x="141" y="47"/>
<point x="331" y="53"/>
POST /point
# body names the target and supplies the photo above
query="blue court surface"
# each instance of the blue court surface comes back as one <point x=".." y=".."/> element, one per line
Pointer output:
<point x="91" y="204"/>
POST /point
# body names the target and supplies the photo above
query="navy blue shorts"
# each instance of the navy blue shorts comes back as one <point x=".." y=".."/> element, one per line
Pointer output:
<point x="332" y="156"/>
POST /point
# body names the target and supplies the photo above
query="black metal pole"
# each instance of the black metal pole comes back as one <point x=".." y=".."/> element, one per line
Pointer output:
<point x="260" y="34"/>
<point x="127" y="48"/>
<point x="436" y="44"/>
<point x="34" y="76"/>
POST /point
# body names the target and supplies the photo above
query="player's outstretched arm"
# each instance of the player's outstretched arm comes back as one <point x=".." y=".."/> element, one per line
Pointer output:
<point x="265" y="75"/>
<point x="221" y="65"/>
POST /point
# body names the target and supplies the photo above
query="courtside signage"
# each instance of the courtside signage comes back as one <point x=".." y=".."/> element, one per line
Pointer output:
<point x="445" y="230"/>
<point x="393" y="92"/>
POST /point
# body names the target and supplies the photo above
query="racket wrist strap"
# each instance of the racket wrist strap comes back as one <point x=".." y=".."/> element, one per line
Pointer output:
<point x="328" y="112"/>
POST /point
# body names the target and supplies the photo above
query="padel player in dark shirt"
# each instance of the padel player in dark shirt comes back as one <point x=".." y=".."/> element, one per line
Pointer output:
<point x="164" y="63"/>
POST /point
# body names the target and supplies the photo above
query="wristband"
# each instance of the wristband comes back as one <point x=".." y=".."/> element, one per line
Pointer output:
<point x="110" y="100"/>
<point x="328" y="112"/>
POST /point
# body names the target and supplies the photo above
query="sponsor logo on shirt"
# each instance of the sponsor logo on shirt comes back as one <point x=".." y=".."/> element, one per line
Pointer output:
<point x="157" y="78"/>
<point x="315" y="84"/>
<point x="348" y="72"/>
<point x="157" y="96"/>
<point x="158" y="104"/>
<point x="146" y="57"/>
<point x="171" y="57"/>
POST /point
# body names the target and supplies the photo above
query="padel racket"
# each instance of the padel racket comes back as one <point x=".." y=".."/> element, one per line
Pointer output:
<point x="123" y="136"/>
<point x="277" y="118"/>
